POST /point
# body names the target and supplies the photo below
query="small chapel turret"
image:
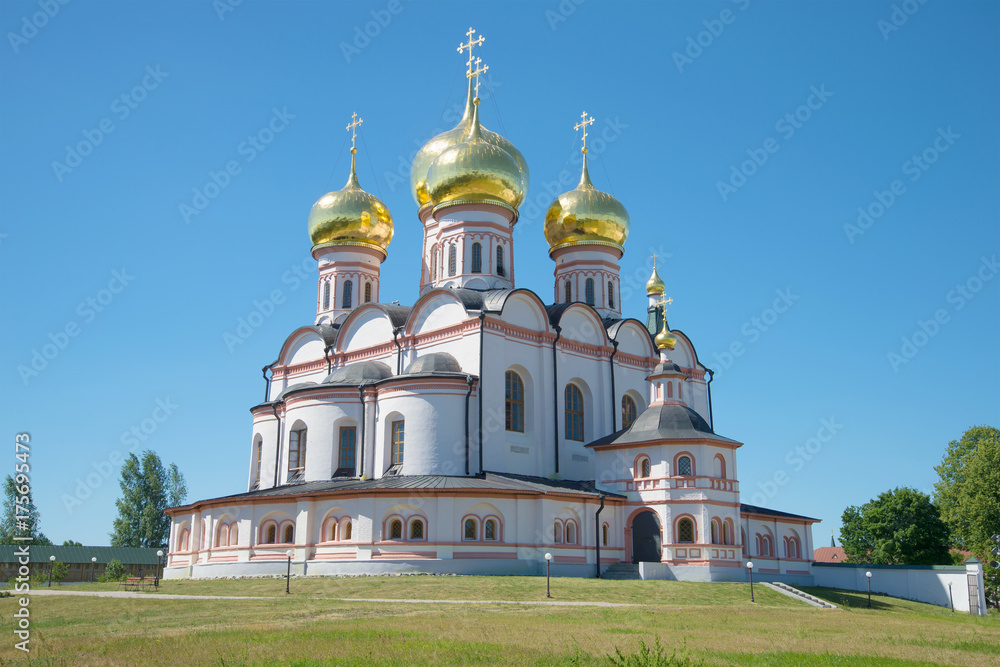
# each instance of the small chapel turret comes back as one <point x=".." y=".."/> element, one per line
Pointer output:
<point x="350" y="230"/>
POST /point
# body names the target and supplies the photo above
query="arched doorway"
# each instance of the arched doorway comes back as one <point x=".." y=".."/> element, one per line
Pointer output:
<point x="646" y="538"/>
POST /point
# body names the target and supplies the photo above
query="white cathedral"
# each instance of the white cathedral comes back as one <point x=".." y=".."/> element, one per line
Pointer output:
<point x="482" y="428"/>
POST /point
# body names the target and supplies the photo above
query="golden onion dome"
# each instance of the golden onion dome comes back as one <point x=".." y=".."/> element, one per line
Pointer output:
<point x="586" y="216"/>
<point x="665" y="340"/>
<point x="350" y="216"/>
<point x="655" y="285"/>
<point x="432" y="149"/>
<point x="475" y="172"/>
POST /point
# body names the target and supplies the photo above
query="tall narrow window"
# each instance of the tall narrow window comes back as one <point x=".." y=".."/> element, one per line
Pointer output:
<point x="490" y="530"/>
<point x="272" y="534"/>
<point x="260" y="448"/>
<point x="685" y="531"/>
<point x="346" y="534"/>
<point x="326" y="295"/>
<point x="296" y="451"/>
<point x="574" y="413"/>
<point x="515" y="402"/>
<point x="348" y="441"/>
<point x="477" y="258"/>
<point x="500" y="269"/>
<point x="452" y="260"/>
<point x="684" y="466"/>
<point x="569" y="291"/>
<point x="589" y="291"/>
<point x="346" y="300"/>
<point x="628" y="411"/>
<point x="368" y="292"/>
<point x="289" y="534"/>
<point x="604" y="535"/>
<point x="470" y="529"/>
<point x="570" y="532"/>
<point x="397" y="443"/>
<point x="645" y="469"/>
<point x="396" y="530"/>
<point x="434" y="262"/>
<point x="611" y="294"/>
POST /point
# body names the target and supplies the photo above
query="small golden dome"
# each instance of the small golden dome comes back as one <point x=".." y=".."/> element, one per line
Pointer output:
<point x="586" y="216"/>
<point x="665" y="340"/>
<point x="350" y="216"/>
<point x="475" y="171"/>
<point x="432" y="149"/>
<point x="655" y="286"/>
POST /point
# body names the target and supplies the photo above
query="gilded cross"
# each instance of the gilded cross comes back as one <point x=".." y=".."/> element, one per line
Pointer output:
<point x="353" y="127"/>
<point x="663" y="303"/>
<point x="476" y="72"/>
<point x="469" y="45"/>
<point x="584" y="122"/>
<point x="654" y="260"/>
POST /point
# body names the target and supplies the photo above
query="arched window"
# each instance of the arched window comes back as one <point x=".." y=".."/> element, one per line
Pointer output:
<point x="589" y="291"/>
<point x="470" y="532"/>
<point x="417" y="529"/>
<point x="452" y="260"/>
<point x="628" y="411"/>
<point x="434" y="262"/>
<point x="477" y="258"/>
<point x="272" y="534"/>
<point x="685" y="531"/>
<point x="514" y="402"/>
<point x="345" y="534"/>
<point x="331" y="533"/>
<point x="289" y="534"/>
<point x="727" y="532"/>
<point x="574" y="413"/>
<point x="396" y="530"/>
<point x="490" y="530"/>
<point x="644" y="468"/>
<point x="223" y="538"/>
<point x="368" y="292"/>
<point x="260" y="451"/>
<point x="183" y="541"/>
<point x="297" y="451"/>
<point x="765" y="545"/>
<point x="569" y="291"/>
<point x="684" y="466"/>
<point x="397" y="443"/>
<point x="345" y="301"/>
<point x="604" y="535"/>
<point x="570" y="532"/>
<point x="791" y="547"/>
<point x="500" y="269"/>
<point x="234" y="535"/>
<point x="326" y="295"/>
<point x="558" y="531"/>
<point x="611" y="294"/>
<point x="348" y="441"/>
<point x="719" y="466"/>
<point x="715" y="531"/>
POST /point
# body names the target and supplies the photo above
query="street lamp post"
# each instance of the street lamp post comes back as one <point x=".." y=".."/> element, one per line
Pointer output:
<point x="288" y="576"/>
<point x="159" y="559"/>
<point x="868" y="575"/>
<point x="548" y="568"/>
<point x="750" y="570"/>
<point x="93" y="568"/>
<point x="52" y="562"/>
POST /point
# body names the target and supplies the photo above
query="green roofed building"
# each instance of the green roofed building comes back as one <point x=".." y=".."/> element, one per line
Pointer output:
<point x="80" y="560"/>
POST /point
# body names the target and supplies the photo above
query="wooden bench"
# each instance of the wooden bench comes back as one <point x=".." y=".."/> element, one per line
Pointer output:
<point x="135" y="583"/>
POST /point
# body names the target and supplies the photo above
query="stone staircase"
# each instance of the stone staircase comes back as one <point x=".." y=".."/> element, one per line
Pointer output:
<point x="620" y="571"/>
<point x="792" y="592"/>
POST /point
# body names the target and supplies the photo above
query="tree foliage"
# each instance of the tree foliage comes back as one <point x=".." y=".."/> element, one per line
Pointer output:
<point x="115" y="571"/>
<point x="147" y="489"/>
<point x="900" y="527"/>
<point x="27" y="525"/>
<point x="72" y="543"/>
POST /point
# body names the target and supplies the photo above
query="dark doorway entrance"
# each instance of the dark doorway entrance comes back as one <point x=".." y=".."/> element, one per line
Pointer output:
<point x="646" y="539"/>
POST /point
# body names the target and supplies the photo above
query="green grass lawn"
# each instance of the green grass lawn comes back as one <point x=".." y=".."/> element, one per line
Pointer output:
<point x="711" y="624"/>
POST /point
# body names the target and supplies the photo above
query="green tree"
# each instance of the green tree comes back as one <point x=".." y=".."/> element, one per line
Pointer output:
<point x="176" y="485"/>
<point x="30" y="518"/>
<point x="72" y="543"/>
<point x="900" y="527"/>
<point x="968" y="493"/>
<point x="146" y="491"/>
<point x="115" y="571"/>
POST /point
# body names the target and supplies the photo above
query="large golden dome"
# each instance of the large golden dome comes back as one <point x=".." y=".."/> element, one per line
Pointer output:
<point x="350" y="216"/>
<point x="586" y="216"/>
<point x="475" y="172"/>
<point x="457" y="135"/>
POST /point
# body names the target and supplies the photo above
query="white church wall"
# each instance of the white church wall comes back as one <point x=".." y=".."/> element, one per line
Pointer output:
<point x="434" y="429"/>
<point x="367" y="328"/>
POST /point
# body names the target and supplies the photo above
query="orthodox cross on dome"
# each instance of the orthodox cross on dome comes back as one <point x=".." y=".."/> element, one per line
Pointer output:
<point x="475" y="73"/>
<point x="663" y="303"/>
<point x="471" y="43"/>
<point x="654" y="261"/>
<point x="584" y="122"/>
<point x="353" y="127"/>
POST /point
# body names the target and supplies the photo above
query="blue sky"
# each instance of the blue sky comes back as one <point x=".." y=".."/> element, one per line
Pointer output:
<point x="743" y="138"/>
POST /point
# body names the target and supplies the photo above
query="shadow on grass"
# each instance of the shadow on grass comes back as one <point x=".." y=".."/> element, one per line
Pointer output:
<point x="850" y="599"/>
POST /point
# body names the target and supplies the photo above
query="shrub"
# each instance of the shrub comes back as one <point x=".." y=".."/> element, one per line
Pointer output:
<point x="115" y="571"/>
<point x="650" y="657"/>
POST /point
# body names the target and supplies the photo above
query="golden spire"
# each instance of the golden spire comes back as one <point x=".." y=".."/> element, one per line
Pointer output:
<point x="352" y="180"/>
<point x="655" y="285"/>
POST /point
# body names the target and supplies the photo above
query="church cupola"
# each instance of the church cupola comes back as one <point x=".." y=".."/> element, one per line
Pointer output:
<point x="586" y="230"/>
<point x="469" y="183"/>
<point x="350" y="230"/>
<point x="656" y="312"/>
<point x="667" y="379"/>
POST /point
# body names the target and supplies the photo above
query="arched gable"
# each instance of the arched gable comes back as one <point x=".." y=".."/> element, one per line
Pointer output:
<point x="581" y="323"/>
<point x="303" y="345"/>
<point x="523" y="308"/>
<point x="366" y="326"/>
<point x="436" y="309"/>
<point x="684" y="353"/>
<point x="632" y="338"/>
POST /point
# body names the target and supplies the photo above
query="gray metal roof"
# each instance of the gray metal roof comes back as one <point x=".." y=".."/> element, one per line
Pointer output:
<point x="433" y="362"/>
<point x="754" y="509"/>
<point x="358" y="373"/>
<point x="484" y="482"/>
<point x="664" y="422"/>
<point x="104" y="555"/>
